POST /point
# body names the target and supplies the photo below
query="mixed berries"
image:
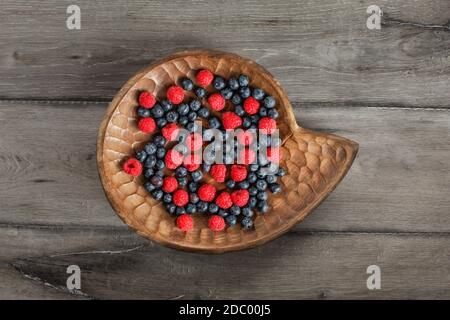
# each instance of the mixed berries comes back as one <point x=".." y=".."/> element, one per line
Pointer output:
<point x="179" y="169"/>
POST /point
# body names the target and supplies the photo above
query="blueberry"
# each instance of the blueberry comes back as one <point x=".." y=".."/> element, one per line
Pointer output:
<point x="192" y="126"/>
<point x="233" y="83"/>
<point x="161" y="123"/>
<point x="261" y="185"/>
<point x="143" y="112"/>
<point x="235" y="210"/>
<point x="269" y="102"/>
<point x="181" y="172"/>
<point x="172" y="116"/>
<point x="157" y="111"/>
<point x="244" y="184"/>
<point x="156" y="181"/>
<point x="197" y="175"/>
<point x="182" y="182"/>
<point x="213" y="208"/>
<point x="253" y="191"/>
<point x="199" y="92"/>
<point x="244" y="92"/>
<point x="243" y="80"/>
<point x="192" y="116"/>
<point x="148" y="173"/>
<point x="218" y="83"/>
<point x="247" y="212"/>
<point x="183" y="120"/>
<point x="262" y="195"/>
<point x="203" y="112"/>
<point x="202" y="206"/>
<point x="254" y="118"/>
<point x="223" y="213"/>
<point x="230" y="184"/>
<point x="195" y="105"/>
<point x="191" y="208"/>
<point x="254" y="167"/>
<point x="183" y="109"/>
<point x="159" y="165"/>
<point x="258" y="93"/>
<point x="193" y="198"/>
<point x="167" y="198"/>
<point x="226" y="93"/>
<point x="159" y="141"/>
<point x="192" y="186"/>
<point x="275" y="188"/>
<point x="281" y="172"/>
<point x="231" y="220"/>
<point x="166" y="105"/>
<point x="252" y="202"/>
<point x="150" y="162"/>
<point x="263" y="207"/>
<point x="273" y="113"/>
<point x="150" y="148"/>
<point x="246" y="122"/>
<point x="187" y="84"/>
<point x="247" y="223"/>
<point x="141" y="155"/>
<point x="206" y="167"/>
<point x="261" y="173"/>
<point x="252" y="177"/>
<point x="213" y="123"/>
<point x="157" y="194"/>
<point x="262" y="111"/>
<point x="271" y="178"/>
<point x="159" y="173"/>
<point x="181" y="148"/>
<point x="149" y="186"/>
<point x="160" y="152"/>
<point x="180" y="211"/>
<point x="171" y="208"/>
<point x="239" y="110"/>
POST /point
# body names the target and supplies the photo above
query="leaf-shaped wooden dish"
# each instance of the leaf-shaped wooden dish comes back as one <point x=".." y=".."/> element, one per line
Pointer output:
<point x="315" y="161"/>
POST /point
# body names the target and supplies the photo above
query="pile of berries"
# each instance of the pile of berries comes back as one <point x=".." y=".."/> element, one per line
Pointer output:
<point x="240" y="187"/>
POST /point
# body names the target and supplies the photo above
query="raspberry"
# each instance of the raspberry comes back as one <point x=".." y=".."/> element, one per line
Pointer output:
<point x="238" y="172"/>
<point x="245" y="137"/>
<point x="251" y="105"/>
<point x="216" y="101"/>
<point x="218" y="172"/>
<point x="247" y="156"/>
<point x="267" y="125"/>
<point x="146" y="100"/>
<point x="170" y="184"/>
<point x="147" y="125"/>
<point x="216" y="223"/>
<point x="173" y="159"/>
<point x="175" y="94"/>
<point x="207" y="192"/>
<point x="194" y="141"/>
<point x="231" y="120"/>
<point x="240" y="197"/>
<point x="170" y="131"/>
<point x="192" y="162"/>
<point x="204" y="78"/>
<point x="185" y="222"/>
<point x="223" y="200"/>
<point x="273" y="154"/>
<point x="132" y="166"/>
<point x="180" y="197"/>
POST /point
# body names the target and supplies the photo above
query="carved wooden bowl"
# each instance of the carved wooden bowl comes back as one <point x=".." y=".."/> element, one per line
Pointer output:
<point x="315" y="162"/>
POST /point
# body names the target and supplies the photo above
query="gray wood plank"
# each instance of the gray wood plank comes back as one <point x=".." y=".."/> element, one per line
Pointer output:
<point x="298" y="265"/>
<point x="320" y="50"/>
<point x="398" y="183"/>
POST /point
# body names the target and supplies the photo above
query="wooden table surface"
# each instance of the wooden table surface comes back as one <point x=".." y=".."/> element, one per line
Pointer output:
<point x="388" y="89"/>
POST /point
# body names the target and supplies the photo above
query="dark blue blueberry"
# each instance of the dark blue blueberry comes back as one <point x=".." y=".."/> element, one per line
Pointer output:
<point x="203" y="112"/>
<point x="183" y="109"/>
<point x="172" y="116"/>
<point x="171" y="208"/>
<point x="150" y="162"/>
<point x="281" y="172"/>
<point x="231" y="220"/>
<point x="156" y="181"/>
<point x="230" y="184"/>
<point x="159" y="140"/>
<point x="213" y="208"/>
<point x="233" y="83"/>
<point x="160" y="152"/>
<point x="161" y="123"/>
<point x="157" y="194"/>
<point x="236" y="99"/>
<point x="150" y="148"/>
<point x="254" y="118"/>
<point x="261" y="185"/>
<point x="262" y="112"/>
<point x="167" y="198"/>
<point x="202" y="206"/>
<point x="192" y="186"/>
<point x="262" y="195"/>
<point x="275" y="188"/>
<point x="218" y="83"/>
<point x="246" y="123"/>
<point x="252" y="177"/>
<point x="252" y="191"/>
<point x="148" y="173"/>
<point x="141" y="155"/>
<point x="193" y="198"/>
<point x="244" y="92"/>
<point x="223" y="213"/>
<point x="143" y="112"/>
<point x="199" y="92"/>
<point x="157" y="111"/>
<point x="235" y="210"/>
<point x="239" y="110"/>
<point x="273" y="113"/>
<point x="197" y="175"/>
<point x="226" y="93"/>
<point x="206" y="167"/>
<point x="191" y="208"/>
<point x="192" y="116"/>
<point x="192" y="126"/>
<point x="258" y="93"/>
<point x="262" y="206"/>
<point x="187" y="84"/>
<point x="262" y="172"/>
<point x="183" y="120"/>
<point x="247" y="212"/>
<point x="247" y="223"/>
<point x="166" y="105"/>
<point x="244" y="184"/>
<point x="195" y="105"/>
<point x="159" y="173"/>
<point x="243" y="80"/>
<point x="182" y="182"/>
<point x="253" y="167"/>
<point x="180" y="211"/>
<point x="149" y="186"/>
<point x="181" y="172"/>
<point x="269" y="102"/>
<point x="271" y="178"/>
<point x="213" y="123"/>
<point x="252" y="202"/>
<point x="159" y="165"/>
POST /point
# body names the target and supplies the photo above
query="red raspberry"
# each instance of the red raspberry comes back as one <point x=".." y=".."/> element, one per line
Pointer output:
<point x="175" y="94"/>
<point x="223" y="200"/>
<point x="240" y="197"/>
<point x="170" y="131"/>
<point x="147" y="125"/>
<point x="273" y="154"/>
<point x="267" y="125"/>
<point x="216" y="223"/>
<point x="185" y="222"/>
<point x="251" y="105"/>
<point x="192" y="162"/>
<point x="231" y="120"/>
<point x="207" y="192"/>
<point x="238" y="172"/>
<point x="218" y="172"/>
<point x="132" y="166"/>
<point x="173" y="159"/>
<point x="204" y="77"/>
<point x="170" y="184"/>
<point x="180" y="197"/>
<point x="245" y="137"/>
<point x="216" y="101"/>
<point x="194" y="141"/>
<point x="146" y="100"/>
<point x="247" y="156"/>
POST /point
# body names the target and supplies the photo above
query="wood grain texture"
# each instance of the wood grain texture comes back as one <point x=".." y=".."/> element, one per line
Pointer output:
<point x="321" y="50"/>
<point x="49" y="176"/>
